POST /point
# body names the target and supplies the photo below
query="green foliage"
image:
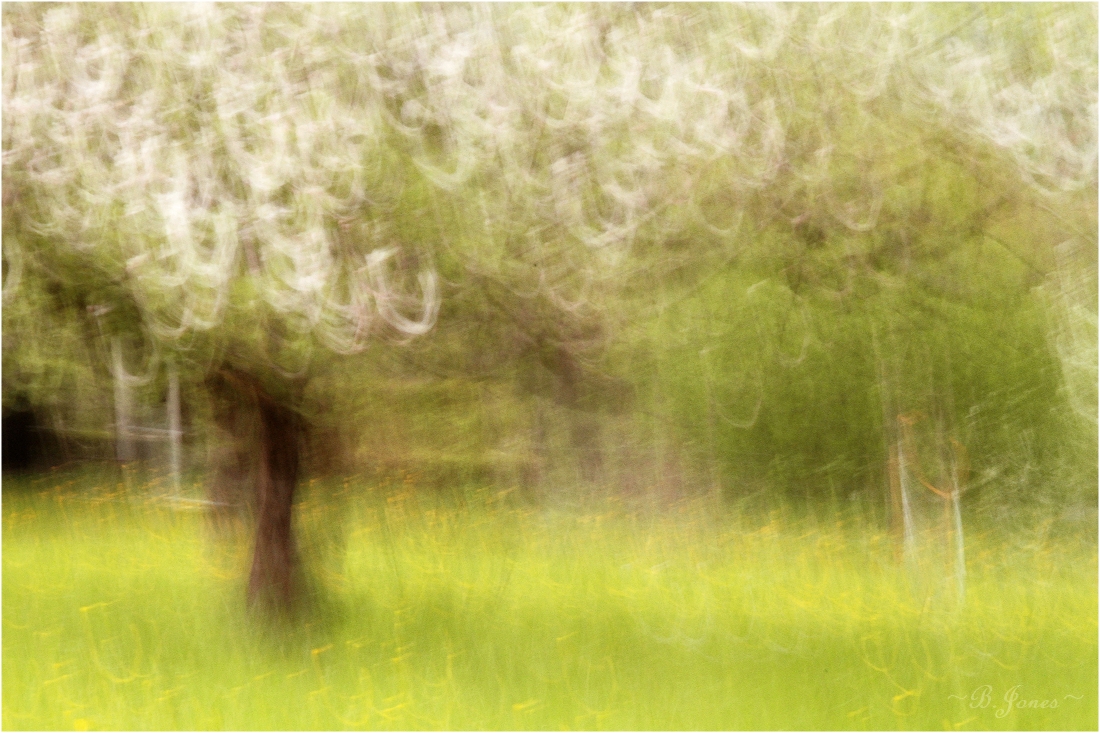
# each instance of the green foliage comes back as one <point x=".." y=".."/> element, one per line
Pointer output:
<point x="774" y="229"/>
<point x="792" y="377"/>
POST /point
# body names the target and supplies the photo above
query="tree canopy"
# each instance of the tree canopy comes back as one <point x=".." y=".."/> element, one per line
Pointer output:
<point x="260" y="184"/>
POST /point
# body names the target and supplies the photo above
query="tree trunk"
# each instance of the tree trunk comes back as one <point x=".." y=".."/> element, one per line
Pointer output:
<point x="264" y="448"/>
<point x="271" y="582"/>
<point x="584" y="425"/>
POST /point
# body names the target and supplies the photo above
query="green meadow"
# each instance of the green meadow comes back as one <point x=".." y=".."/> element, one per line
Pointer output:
<point x="478" y="611"/>
<point x="622" y="366"/>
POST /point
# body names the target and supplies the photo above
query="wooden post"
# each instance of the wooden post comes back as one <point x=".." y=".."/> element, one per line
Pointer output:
<point x="124" y="441"/>
<point x="959" y="474"/>
<point x="897" y="526"/>
<point x="910" y="545"/>
<point x="175" y="431"/>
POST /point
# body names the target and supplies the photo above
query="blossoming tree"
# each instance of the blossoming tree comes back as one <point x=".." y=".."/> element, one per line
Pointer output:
<point x="249" y="186"/>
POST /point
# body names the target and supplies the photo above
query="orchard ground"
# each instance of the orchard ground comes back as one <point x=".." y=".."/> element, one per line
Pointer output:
<point x="477" y="610"/>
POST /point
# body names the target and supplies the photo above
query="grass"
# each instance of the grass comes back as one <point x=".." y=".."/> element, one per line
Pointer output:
<point x="479" y="612"/>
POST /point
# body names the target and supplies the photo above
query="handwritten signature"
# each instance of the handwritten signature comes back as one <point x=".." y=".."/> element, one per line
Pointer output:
<point x="982" y="698"/>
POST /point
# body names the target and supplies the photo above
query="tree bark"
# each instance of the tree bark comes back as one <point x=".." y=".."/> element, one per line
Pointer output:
<point x="265" y="449"/>
<point x="584" y="424"/>
<point x="271" y="582"/>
